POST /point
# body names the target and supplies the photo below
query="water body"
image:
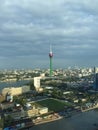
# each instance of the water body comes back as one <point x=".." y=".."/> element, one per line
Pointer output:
<point x="13" y="84"/>
<point x="82" y="121"/>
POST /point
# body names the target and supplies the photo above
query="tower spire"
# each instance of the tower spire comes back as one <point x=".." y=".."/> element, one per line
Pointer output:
<point x="50" y="48"/>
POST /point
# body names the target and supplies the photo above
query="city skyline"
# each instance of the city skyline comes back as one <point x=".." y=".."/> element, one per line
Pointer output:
<point x="29" y="27"/>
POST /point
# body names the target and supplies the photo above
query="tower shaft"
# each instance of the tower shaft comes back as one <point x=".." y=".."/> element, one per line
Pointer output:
<point x="50" y="66"/>
<point x="50" y="56"/>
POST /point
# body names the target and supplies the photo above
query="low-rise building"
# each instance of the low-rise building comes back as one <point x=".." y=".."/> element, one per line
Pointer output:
<point x="32" y="112"/>
<point x="43" y="110"/>
<point x="15" y="91"/>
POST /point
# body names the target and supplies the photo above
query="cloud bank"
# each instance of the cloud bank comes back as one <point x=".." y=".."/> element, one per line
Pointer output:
<point x="28" y="27"/>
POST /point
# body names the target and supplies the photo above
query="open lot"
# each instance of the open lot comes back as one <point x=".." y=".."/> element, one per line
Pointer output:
<point x="53" y="104"/>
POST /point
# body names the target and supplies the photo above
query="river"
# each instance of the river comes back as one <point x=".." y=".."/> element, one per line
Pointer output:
<point x="12" y="84"/>
<point x="82" y="121"/>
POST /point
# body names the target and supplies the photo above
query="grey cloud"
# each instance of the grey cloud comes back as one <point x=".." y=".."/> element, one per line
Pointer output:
<point x="29" y="27"/>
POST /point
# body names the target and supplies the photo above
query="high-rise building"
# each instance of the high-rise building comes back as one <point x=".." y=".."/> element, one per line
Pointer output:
<point x="50" y="56"/>
<point x="96" y="82"/>
<point x="94" y="70"/>
<point x="37" y="83"/>
<point x="95" y="79"/>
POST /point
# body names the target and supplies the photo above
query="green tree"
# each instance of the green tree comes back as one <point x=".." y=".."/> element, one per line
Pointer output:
<point x="31" y="83"/>
<point x="23" y="101"/>
<point x="1" y="123"/>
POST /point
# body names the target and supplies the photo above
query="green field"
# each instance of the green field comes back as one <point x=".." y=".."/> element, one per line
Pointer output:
<point x="53" y="104"/>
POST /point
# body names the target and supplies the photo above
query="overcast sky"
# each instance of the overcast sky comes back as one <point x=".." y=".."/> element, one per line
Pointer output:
<point x="28" y="27"/>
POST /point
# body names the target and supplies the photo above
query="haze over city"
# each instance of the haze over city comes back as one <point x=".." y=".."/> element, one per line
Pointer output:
<point x="28" y="27"/>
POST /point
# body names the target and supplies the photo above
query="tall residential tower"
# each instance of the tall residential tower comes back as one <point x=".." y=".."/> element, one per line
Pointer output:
<point x="50" y="56"/>
<point x="95" y="79"/>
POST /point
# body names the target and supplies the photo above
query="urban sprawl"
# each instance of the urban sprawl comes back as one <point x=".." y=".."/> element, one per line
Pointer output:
<point x="44" y="98"/>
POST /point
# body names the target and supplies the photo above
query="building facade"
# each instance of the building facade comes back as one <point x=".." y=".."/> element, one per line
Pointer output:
<point x="15" y="91"/>
<point x="37" y="83"/>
